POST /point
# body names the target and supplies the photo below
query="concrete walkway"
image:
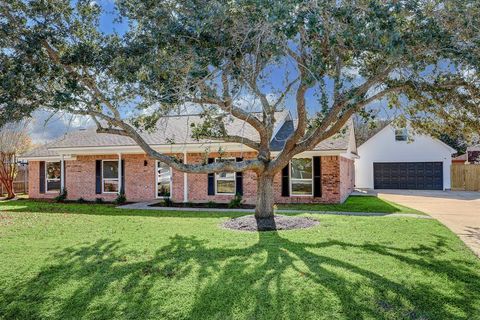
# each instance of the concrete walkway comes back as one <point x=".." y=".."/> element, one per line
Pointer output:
<point x="147" y="206"/>
<point x="458" y="210"/>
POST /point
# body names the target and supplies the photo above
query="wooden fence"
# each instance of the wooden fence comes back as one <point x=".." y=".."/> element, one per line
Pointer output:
<point x="465" y="177"/>
<point x="20" y="185"/>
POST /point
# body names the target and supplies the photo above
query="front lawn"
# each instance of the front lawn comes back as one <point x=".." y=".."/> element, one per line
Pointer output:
<point x="354" y="204"/>
<point x="71" y="261"/>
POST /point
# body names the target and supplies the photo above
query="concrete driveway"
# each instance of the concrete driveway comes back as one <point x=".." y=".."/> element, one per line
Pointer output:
<point x="458" y="210"/>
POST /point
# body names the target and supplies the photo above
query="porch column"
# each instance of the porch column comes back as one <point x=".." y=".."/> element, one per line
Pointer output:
<point x="62" y="173"/>
<point x="120" y="173"/>
<point x="185" y="180"/>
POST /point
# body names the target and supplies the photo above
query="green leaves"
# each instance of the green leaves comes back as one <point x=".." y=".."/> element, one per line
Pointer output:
<point x="55" y="55"/>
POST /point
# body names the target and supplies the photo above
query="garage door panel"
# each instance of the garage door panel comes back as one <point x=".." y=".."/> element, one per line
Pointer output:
<point x="408" y="175"/>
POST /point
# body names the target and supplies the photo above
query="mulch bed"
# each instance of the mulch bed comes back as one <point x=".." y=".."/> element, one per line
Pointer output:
<point x="250" y="223"/>
<point x="201" y="205"/>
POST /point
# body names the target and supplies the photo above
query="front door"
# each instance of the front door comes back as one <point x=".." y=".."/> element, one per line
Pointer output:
<point x="164" y="180"/>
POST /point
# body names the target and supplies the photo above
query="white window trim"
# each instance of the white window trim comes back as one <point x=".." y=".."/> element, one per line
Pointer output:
<point x="156" y="182"/>
<point x="110" y="179"/>
<point x="234" y="179"/>
<point x="46" y="177"/>
<point x="290" y="178"/>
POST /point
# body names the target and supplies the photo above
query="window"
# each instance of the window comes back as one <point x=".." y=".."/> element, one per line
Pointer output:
<point x="301" y="173"/>
<point x="110" y="176"/>
<point x="53" y="176"/>
<point x="401" y="134"/>
<point x="164" y="176"/>
<point x="225" y="181"/>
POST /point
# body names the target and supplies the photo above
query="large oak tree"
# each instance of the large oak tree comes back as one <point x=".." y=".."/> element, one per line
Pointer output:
<point x="324" y="59"/>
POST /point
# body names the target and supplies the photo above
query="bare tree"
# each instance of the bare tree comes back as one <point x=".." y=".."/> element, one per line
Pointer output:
<point x="14" y="141"/>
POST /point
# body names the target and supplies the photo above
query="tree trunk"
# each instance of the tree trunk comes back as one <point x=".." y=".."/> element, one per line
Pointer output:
<point x="9" y="188"/>
<point x="265" y="197"/>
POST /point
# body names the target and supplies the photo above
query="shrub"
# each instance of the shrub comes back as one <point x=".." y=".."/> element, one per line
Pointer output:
<point x="81" y="200"/>
<point x="121" y="199"/>
<point x="211" y="204"/>
<point x="236" y="202"/>
<point x="99" y="201"/>
<point x="62" y="196"/>
<point x="167" y="202"/>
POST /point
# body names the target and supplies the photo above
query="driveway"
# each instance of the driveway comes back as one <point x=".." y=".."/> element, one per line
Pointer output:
<point x="458" y="210"/>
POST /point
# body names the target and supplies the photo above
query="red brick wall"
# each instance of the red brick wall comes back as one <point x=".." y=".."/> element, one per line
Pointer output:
<point x="34" y="182"/>
<point x="347" y="178"/>
<point x="330" y="185"/>
<point x="198" y="183"/>
<point x="337" y="180"/>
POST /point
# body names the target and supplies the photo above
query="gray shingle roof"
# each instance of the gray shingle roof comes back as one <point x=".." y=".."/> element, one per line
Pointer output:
<point x="177" y="130"/>
<point x="41" y="151"/>
<point x="474" y="148"/>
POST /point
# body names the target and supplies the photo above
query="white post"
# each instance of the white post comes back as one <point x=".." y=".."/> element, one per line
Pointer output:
<point x="185" y="180"/>
<point x="120" y="173"/>
<point x="62" y="173"/>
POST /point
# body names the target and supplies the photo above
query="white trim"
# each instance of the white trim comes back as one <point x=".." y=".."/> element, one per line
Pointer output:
<point x="46" y="178"/>
<point x="234" y="179"/>
<point x="110" y="179"/>
<point x="62" y="173"/>
<point x="134" y="149"/>
<point x="290" y="178"/>
<point x="185" y="180"/>
<point x="156" y="181"/>
<point x="50" y="158"/>
<point x="120" y="173"/>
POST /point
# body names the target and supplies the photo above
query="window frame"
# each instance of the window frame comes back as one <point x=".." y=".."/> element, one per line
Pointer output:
<point x="234" y="179"/>
<point x="404" y="134"/>
<point x="110" y="179"/>
<point x="290" y="180"/>
<point x="156" y="181"/>
<point x="46" y="177"/>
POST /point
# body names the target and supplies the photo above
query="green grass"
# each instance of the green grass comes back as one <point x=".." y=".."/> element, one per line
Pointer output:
<point x="71" y="261"/>
<point x="355" y="204"/>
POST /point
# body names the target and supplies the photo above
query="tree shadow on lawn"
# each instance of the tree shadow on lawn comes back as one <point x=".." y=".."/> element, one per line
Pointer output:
<point x="274" y="278"/>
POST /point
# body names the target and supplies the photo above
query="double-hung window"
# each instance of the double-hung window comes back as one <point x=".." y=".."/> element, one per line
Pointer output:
<point x="225" y="181"/>
<point x="110" y="176"/>
<point x="53" y="176"/>
<point x="301" y="177"/>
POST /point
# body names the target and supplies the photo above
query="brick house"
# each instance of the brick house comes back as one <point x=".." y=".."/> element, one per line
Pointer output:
<point x="91" y="165"/>
<point x="472" y="155"/>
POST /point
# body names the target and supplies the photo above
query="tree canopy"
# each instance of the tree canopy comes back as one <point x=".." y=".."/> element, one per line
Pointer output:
<point x="326" y="60"/>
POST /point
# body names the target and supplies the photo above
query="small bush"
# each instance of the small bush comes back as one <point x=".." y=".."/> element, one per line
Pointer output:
<point x="121" y="198"/>
<point x="211" y="204"/>
<point x="236" y="202"/>
<point x="62" y="196"/>
<point x="167" y="202"/>
<point x="99" y="201"/>
<point x="81" y="200"/>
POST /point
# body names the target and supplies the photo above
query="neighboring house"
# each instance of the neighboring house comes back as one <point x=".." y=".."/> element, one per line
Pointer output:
<point x="461" y="159"/>
<point x="92" y="165"/>
<point x="396" y="159"/>
<point x="473" y="154"/>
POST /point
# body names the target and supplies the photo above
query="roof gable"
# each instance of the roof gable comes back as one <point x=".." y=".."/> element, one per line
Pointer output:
<point x="391" y="127"/>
